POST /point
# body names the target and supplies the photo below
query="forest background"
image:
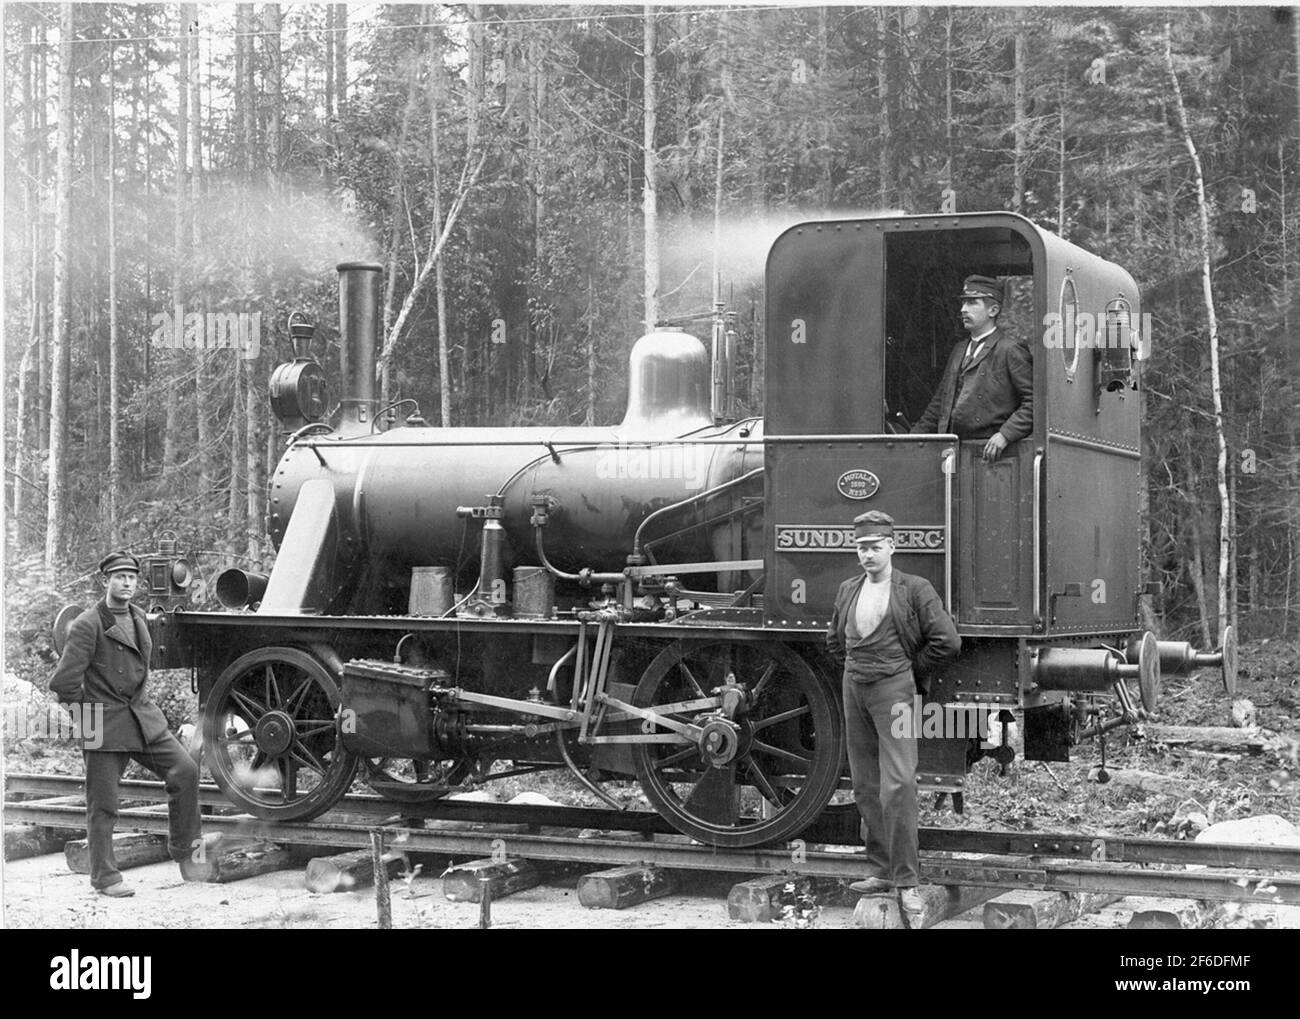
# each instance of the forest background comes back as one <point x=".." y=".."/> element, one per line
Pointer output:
<point x="540" y="182"/>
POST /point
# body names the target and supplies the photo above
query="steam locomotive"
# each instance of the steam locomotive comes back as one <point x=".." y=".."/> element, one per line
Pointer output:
<point x="452" y="606"/>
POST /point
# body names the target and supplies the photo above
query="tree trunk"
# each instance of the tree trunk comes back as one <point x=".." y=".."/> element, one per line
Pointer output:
<point x="253" y="433"/>
<point x="589" y="319"/>
<point x="202" y="380"/>
<point x="180" y="242"/>
<point x="1171" y="222"/>
<point x="683" y="178"/>
<point x="1197" y="567"/>
<point x="474" y="103"/>
<point x="32" y="210"/>
<point x="114" y="338"/>
<point x="947" y="96"/>
<point x="1232" y="556"/>
<point x="1295" y="41"/>
<point x="94" y="60"/>
<point x="196" y="117"/>
<point x="1060" y="157"/>
<point x="537" y="202"/>
<point x="274" y="87"/>
<point x="235" y="504"/>
<point x="717" y="214"/>
<point x="1282" y="219"/>
<point x="824" y="123"/>
<point x="629" y="209"/>
<point x="400" y="212"/>
<point x="22" y="411"/>
<point x="336" y="83"/>
<point x="147" y="121"/>
<point x="61" y="354"/>
<point x="341" y="59"/>
<point x="397" y="214"/>
<point x="1018" y="183"/>
<point x="327" y="165"/>
<point x="242" y="411"/>
<point x="883" y="153"/>
<point x="252" y="488"/>
<point x="1293" y="532"/>
<point x="246" y="27"/>
<point x="43" y="309"/>
<point x="241" y="29"/>
<point x="1207" y="292"/>
<point x="440" y="281"/>
<point x="650" y="184"/>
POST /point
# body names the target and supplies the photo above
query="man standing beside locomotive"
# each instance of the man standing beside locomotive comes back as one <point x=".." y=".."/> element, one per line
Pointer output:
<point x="103" y="668"/>
<point x="987" y="390"/>
<point x="886" y="623"/>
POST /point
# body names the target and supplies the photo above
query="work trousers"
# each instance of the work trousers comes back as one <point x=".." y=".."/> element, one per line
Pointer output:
<point x="882" y="761"/>
<point x="167" y="759"/>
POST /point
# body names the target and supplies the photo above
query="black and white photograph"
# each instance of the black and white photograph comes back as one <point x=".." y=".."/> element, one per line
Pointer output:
<point x="724" y="467"/>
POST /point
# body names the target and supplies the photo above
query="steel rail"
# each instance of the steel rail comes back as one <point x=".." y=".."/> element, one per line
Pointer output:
<point x="677" y="852"/>
<point x="365" y="806"/>
<point x="1097" y="848"/>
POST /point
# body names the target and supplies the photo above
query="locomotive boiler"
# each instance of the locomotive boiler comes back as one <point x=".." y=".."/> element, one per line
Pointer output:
<point x="649" y="599"/>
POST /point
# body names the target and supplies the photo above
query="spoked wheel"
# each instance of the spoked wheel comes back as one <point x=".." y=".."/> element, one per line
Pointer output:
<point x="271" y="738"/>
<point x="762" y="765"/>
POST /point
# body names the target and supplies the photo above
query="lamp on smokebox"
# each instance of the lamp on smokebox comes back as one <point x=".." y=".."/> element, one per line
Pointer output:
<point x="298" y="388"/>
<point x="165" y="575"/>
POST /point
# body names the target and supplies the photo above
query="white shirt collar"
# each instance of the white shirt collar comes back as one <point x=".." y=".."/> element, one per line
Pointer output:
<point x="975" y="341"/>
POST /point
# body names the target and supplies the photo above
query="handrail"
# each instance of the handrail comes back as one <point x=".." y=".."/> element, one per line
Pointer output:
<point x="1038" y="534"/>
<point x="949" y="471"/>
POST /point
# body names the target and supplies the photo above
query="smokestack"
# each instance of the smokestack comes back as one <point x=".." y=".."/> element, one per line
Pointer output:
<point x="359" y="284"/>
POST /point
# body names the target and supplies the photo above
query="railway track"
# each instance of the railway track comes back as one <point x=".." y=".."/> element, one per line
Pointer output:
<point x="1056" y="862"/>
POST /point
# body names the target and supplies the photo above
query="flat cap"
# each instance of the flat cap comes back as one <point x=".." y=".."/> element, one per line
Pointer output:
<point x="872" y="526"/>
<point x="119" y="560"/>
<point x="981" y="286"/>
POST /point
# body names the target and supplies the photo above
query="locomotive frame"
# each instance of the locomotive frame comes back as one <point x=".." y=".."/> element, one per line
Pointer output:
<point x="622" y="622"/>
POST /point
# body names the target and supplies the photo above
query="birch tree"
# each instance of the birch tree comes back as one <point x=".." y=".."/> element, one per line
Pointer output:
<point x="1212" y="325"/>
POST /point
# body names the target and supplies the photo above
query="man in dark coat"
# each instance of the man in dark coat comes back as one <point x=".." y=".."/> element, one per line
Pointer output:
<point x="103" y="669"/>
<point x="889" y="631"/>
<point x="987" y="390"/>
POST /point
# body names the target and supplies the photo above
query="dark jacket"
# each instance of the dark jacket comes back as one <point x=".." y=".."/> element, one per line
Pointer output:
<point x="926" y="631"/>
<point x="997" y="393"/>
<point x="103" y="664"/>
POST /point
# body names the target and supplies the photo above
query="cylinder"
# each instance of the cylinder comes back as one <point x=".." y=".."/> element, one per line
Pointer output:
<point x="238" y="588"/>
<point x="359" y="285"/>
<point x="431" y="591"/>
<point x="534" y="592"/>
<point x="1069" y="668"/>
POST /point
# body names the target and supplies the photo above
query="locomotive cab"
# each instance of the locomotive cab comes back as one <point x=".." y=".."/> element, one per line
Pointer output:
<point x="1034" y="550"/>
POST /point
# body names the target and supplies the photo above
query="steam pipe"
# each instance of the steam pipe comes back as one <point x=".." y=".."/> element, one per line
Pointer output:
<point x="583" y="577"/>
<point x="636" y="540"/>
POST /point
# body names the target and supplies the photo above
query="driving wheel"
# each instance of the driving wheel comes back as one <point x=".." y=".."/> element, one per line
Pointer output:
<point x="760" y="763"/>
<point x="271" y="738"/>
